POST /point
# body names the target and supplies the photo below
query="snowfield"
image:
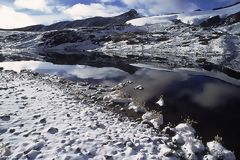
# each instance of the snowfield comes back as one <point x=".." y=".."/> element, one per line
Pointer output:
<point x="46" y="117"/>
<point x="192" y="18"/>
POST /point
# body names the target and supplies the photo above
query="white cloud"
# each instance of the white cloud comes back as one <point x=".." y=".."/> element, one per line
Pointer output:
<point x="38" y="5"/>
<point x="11" y="19"/>
<point x="107" y="1"/>
<point x="81" y="11"/>
<point x="154" y="7"/>
<point x="50" y="19"/>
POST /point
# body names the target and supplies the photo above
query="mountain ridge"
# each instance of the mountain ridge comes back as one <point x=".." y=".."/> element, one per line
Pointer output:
<point x="89" y="22"/>
<point x="128" y="16"/>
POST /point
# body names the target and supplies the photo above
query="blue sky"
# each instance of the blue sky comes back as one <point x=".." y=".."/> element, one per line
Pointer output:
<point x="20" y="13"/>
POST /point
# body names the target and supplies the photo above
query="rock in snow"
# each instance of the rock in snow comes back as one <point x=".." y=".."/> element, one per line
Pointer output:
<point x="52" y="130"/>
<point x="219" y="152"/>
<point x="160" y="102"/>
<point x="155" y="119"/>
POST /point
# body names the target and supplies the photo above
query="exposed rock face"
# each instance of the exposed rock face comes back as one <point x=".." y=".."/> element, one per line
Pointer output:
<point x="1" y="57"/>
<point x="211" y="22"/>
<point x="232" y="19"/>
<point x="90" y="22"/>
<point x="217" y="21"/>
<point x="62" y="36"/>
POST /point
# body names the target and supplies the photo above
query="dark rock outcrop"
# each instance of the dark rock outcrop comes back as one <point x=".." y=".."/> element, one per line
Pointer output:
<point x="211" y="22"/>
<point x="234" y="18"/>
<point x="2" y="58"/>
<point x="55" y="38"/>
<point x="217" y="21"/>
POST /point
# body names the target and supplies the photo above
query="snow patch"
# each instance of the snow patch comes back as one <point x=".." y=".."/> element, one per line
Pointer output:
<point x="155" y="119"/>
<point x="219" y="152"/>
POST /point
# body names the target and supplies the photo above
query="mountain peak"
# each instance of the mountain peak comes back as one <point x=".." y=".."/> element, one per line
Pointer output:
<point x="131" y="13"/>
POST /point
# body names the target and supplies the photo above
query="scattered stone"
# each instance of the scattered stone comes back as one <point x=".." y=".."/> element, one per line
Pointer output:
<point x="3" y="130"/>
<point x="155" y="119"/>
<point x="63" y="141"/>
<point x="108" y="157"/>
<point x="100" y="98"/>
<point x="12" y="130"/>
<point x="24" y="97"/>
<point x="3" y="88"/>
<point x="139" y="87"/>
<point x="121" y="85"/>
<point x="160" y="102"/>
<point x="5" y="151"/>
<point x="62" y="81"/>
<point x="92" y="87"/>
<point x="130" y="82"/>
<point x="5" y="117"/>
<point x="21" y="107"/>
<point x="33" y="154"/>
<point x="102" y="90"/>
<point x="169" y="131"/>
<point x="43" y="120"/>
<point x="78" y="150"/>
<point x="83" y="83"/>
<point x="93" y="97"/>
<point x="36" y="116"/>
<point x="219" y="152"/>
<point x="98" y="92"/>
<point x="77" y="98"/>
<point x="27" y="134"/>
<point x="136" y="108"/>
<point x="52" y="130"/>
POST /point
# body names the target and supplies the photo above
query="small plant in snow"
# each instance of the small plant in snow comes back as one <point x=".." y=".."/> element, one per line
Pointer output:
<point x="4" y="150"/>
<point x="189" y="121"/>
<point x="142" y="49"/>
<point x="218" y="139"/>
<point x="170" y="124"/>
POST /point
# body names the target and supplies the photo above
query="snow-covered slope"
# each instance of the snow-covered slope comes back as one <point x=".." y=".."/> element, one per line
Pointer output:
<point x="164" y="19"/>
<point x="192" y="18"/>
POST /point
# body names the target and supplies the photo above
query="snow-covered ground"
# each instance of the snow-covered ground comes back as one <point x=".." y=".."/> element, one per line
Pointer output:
<point x="46" y="117"/>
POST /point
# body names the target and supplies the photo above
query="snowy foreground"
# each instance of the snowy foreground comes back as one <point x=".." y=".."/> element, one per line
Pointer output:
<point x="45" y="117"/>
